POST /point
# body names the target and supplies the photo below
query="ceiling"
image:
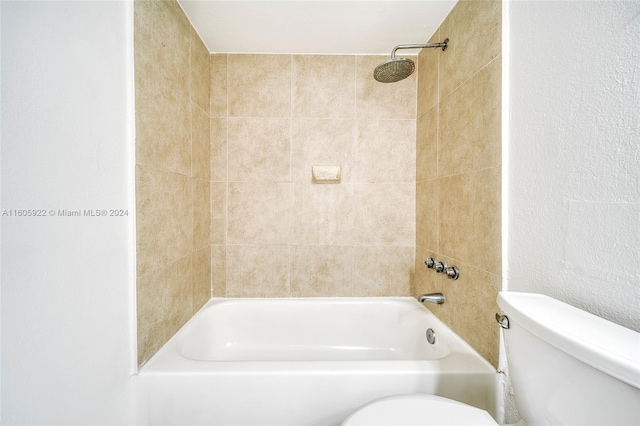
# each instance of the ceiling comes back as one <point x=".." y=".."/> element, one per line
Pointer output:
<point x="314" y="27"/>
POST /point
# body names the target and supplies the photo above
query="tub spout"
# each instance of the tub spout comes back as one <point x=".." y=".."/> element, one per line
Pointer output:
<point x="437" y="298"/>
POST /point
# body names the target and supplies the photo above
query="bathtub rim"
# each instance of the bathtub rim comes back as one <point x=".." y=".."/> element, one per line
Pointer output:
<point x="169" y="360"/>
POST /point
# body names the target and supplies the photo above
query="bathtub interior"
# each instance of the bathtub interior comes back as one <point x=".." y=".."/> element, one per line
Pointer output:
<point x="184" y="385"/>
<point x="320" y="329"/>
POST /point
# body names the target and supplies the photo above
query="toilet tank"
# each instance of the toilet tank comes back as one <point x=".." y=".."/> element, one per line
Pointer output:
<point x="569" y="367"/>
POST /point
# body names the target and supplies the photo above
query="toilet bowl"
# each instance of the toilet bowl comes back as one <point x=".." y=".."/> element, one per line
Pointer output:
<point x="567" y="367"/>
<point x="417" y="409"/>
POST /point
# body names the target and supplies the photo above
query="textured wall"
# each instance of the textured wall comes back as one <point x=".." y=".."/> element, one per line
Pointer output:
<point x="458" y="172"/>
<point x="275" y="233"/>
<point x="173" y="172"/>
<point x="574" y="179"/>
<point x="67" y="282"/>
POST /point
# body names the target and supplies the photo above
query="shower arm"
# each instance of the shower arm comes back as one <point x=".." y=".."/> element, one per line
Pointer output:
<point x="419" y="46"/>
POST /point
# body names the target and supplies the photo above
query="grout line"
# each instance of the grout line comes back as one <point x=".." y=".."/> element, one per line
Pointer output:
<point x="226" y="195"/>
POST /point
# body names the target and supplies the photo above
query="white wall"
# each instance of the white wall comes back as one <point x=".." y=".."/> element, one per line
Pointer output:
<point x="67" y="282"/>
<point x="574" y="163"/>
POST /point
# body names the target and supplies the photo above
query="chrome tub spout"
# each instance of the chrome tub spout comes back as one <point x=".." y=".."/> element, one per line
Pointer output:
<point x="437" y="298"/>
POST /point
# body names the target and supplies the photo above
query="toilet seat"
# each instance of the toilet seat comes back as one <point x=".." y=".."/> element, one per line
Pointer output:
<point x="417" y="409"/>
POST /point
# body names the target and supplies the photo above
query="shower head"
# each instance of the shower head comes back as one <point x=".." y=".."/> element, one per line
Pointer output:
<point x="396" y="69"/>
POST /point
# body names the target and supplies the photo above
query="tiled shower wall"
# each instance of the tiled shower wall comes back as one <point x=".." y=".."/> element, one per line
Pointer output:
<point x="173" y="172"/>
<point x="274" y="232"/>
<point x="458" y="171"/>
<point x="224" y="150"/>
<point x="225" y="201"/>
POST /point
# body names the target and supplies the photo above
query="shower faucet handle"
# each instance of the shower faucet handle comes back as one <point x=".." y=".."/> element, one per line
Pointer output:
<point x="440" y="267"/>
<point x="452" y="272"/>
<point x="430" y="262"/>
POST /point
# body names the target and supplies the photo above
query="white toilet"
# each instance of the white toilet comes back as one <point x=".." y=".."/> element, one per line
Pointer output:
<point x="567" y="367"/>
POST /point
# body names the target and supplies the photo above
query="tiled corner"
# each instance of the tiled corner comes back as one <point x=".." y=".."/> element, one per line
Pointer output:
<point x="424" y="279"/>
<point x="200" y="144"/>
<point x="200" y="61"/>
<point x="218" y="96"/>
<point x="427" y="214"/>
<point x="428" y="76"/>
<point x="201" y="288"/>
<point x="218" y="231"/>
<point x="427" y="145"/>
<point x="201" y="213"/>
<point x="218" y="150"/>
<point x="218" y="270"/>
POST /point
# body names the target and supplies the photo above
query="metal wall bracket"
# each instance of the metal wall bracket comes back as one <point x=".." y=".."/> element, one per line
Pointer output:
<point x="503" y="320"/>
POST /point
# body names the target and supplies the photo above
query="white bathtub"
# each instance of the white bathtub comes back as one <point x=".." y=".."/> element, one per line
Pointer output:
<point x="306" y="361"/>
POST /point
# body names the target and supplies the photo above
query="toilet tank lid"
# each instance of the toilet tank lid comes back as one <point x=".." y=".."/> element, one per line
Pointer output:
<point x="604" y="345"/>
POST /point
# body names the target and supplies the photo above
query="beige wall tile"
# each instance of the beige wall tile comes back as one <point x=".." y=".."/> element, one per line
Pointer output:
<point x="470" y="125"/>
<point x="161" y="41"/>
<point x="200" y="144"/>
<point x="259" y="149"/>
<point x="218" y="74"/>
<point x="161" y="60"/>
<point x="323" y="86"/>
<point x="385" y="151"/>
<point x="428" y="77"/>
<point x="259" y="213"/>
<point x="219" y="147"/>
<point x="424" y="279"/>
<point x="474" y="32"/>
<point x="458" y="208"/>
<point x="163" y="124"/>
<point x="164" y="211"/>
<point x="200" y="66"/>
<point x="427" y="145"/>
<point x="257" y="270"/>
<point x="201" y="213"/>
<point x="382" y="271"/>
<point x="218" y="212"/>
<point x="321" y="142"/>
<point x="375" y="100"/>
<point x="163" y="305"/>
<point x="218" y="271"/>
<point x="321" y="271"/>
<point x="201" y="289"/>
<point x="259" y="85"/>
<point x="470" y="306"/>
<point x="427" y="214"/>
<point x="322" y="214"/>
<point x="469" y="227"/>
<point x="384" y="214"/>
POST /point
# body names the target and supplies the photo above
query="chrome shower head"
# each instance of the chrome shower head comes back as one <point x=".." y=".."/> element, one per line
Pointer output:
<point x="396" y="69"/>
